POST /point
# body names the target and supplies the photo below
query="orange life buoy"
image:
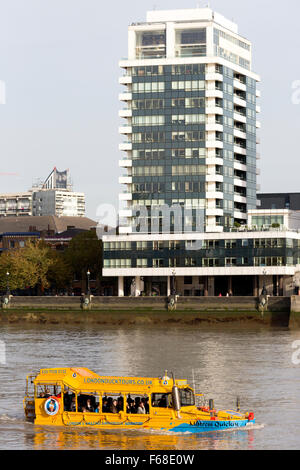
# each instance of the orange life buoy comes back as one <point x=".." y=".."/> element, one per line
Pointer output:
<point x="51" y="406"/>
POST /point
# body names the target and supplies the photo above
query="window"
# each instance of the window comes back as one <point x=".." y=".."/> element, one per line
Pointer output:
<point x="141" y="263"/>
<point x="188" y="280"/>
<point x="88" y="403"/>
<point x="161" y="400"/>
<point x="187" y="397"/>
<point x="137" y="404"/>
<point x="158" y="263"/>
<point x="112" y="403"/>
<point x="48" y="390"/>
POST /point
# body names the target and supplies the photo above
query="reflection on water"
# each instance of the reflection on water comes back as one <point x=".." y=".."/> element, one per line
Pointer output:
<point x="223" y="362"/>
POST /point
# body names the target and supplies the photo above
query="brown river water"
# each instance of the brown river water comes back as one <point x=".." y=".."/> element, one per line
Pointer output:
<point x="224" y="361"/>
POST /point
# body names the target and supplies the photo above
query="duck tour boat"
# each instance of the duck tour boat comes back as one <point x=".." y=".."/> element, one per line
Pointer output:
<point x="80" y="397"/>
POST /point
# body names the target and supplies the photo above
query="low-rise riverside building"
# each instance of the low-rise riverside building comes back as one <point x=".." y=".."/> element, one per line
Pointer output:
<point x="233" y="263"/>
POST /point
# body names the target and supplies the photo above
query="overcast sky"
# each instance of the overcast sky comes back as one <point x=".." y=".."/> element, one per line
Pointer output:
<point x="59" y="60"/>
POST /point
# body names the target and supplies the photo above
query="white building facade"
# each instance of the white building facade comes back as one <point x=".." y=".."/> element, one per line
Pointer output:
<point x="190" y="127"/>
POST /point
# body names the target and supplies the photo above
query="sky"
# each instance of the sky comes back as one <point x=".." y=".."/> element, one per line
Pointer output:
<point x="59" y="61"/>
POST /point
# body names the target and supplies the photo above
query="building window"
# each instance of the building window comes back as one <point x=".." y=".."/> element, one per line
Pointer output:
<point x="158" y="263"/>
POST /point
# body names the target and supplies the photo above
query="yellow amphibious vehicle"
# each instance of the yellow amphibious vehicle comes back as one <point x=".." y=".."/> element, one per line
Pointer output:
<point x="79" y="397"/>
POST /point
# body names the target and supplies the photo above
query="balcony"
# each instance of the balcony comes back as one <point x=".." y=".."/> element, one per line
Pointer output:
<point x="125" y="196"/>
<point x="125" y="96"/>
<point x="240" y="199"/>
<point x="214" y="195"/>
<point x="125" y="163"/>
<point x="239" y="149"/>
<point x="125" y="146"/>
<point x="240" y="134"/>
<point x="213" y="144"/>
<point x="125" y="213"/>
<point x="214" y="127"/>
<point x="214" y="77"/>
<point x="125" y="80"/>
<point x="125" y="179"/>
<point x="214" y="161"/>
<point x="214" y="177"/>
<point x="239" y="117"/>
<point x="214" y="110"/>
<point x="239" y="166"/>
<point x="239" y="182"/>
<point x="239" y="215"/>
<point x="125" y="130"/>
<point x="239" y="101"/>
<point x="239" y="85"/>
<point x="214" y="93"/>
<point x="125" y="113"/>
<point x="214" y="211"/>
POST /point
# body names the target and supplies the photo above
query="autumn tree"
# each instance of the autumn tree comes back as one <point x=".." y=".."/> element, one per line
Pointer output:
<point x="27" y="267"/>
<point x="85" y="253"/>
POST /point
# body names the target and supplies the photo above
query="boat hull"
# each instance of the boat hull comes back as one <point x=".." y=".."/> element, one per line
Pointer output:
<point x="208" y="426"/>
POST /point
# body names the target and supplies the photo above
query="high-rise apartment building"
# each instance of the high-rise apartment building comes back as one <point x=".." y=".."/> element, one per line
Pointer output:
<point x="190" y="126"/>
<point x="190" y="118"/>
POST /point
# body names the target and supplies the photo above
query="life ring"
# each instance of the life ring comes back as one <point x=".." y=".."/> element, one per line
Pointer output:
<point x="51" y="406"/>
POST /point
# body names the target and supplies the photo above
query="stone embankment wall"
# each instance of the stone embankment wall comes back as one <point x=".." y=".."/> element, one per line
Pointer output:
<point x="147" y="310"/>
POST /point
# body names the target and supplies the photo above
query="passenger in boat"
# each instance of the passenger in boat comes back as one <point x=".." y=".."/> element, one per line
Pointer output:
<point x="73" y="404"/>
<point x="89" y="406"/>
<point x="129" y="399"/>
<point x="132" y="407"/>
<point x="113" y="407"/>
<point x="146" y="404"/>
<point x="105" y="406"/>
<point x="163" y="402"/>
<point x="137" y="401"/>
<point x="120" y="404"/>
<point x="141" y="408"/>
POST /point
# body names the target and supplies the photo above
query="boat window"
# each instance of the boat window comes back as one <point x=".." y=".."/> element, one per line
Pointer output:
<point x="137" y="404"/>
<point x="69" y="400"/>
<point x="48" y="390"/>
<point x="88" y="402"/>
<point x="112" y="403"/>
<point x="162" y="400"/>
<point x="187" y="397"/>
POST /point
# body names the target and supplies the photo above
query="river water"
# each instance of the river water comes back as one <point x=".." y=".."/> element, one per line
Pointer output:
<point x="252" y="362"/>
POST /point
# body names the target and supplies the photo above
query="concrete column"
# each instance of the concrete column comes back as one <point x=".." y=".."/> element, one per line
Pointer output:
<point x="170" y="32"/>
<point x="255" y="287"/>
<point x="168" y="286"/>
<point x="230" y="285"/>
<point x="206" y="286"/>
<point x="139" y="286"/>
<point x="121" y="286"/>
<point x="211" y="286"/>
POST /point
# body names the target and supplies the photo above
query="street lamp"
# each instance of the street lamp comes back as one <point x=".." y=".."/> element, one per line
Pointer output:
<point x="173" y="290"/>
<point x="88" y="282"/>
<point x="7" y="284"/>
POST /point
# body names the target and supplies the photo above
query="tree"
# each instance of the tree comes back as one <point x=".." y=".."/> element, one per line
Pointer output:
<point x="85" y="253"/>
<point x="27" y="266"/>
<point x="59" y="273"/>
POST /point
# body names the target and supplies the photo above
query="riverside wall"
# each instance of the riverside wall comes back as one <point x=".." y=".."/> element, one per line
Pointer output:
<point x="150" y="310"/>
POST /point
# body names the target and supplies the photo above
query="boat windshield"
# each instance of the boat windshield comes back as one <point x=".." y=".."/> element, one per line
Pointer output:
<point x="187" y="397"/>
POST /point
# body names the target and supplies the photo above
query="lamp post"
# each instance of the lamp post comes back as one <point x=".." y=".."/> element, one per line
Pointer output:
<point x="7" y="284"/>
<point x="173" y="290"/>
<point x="88" y="282"/>
<point x="264" y="290"/>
